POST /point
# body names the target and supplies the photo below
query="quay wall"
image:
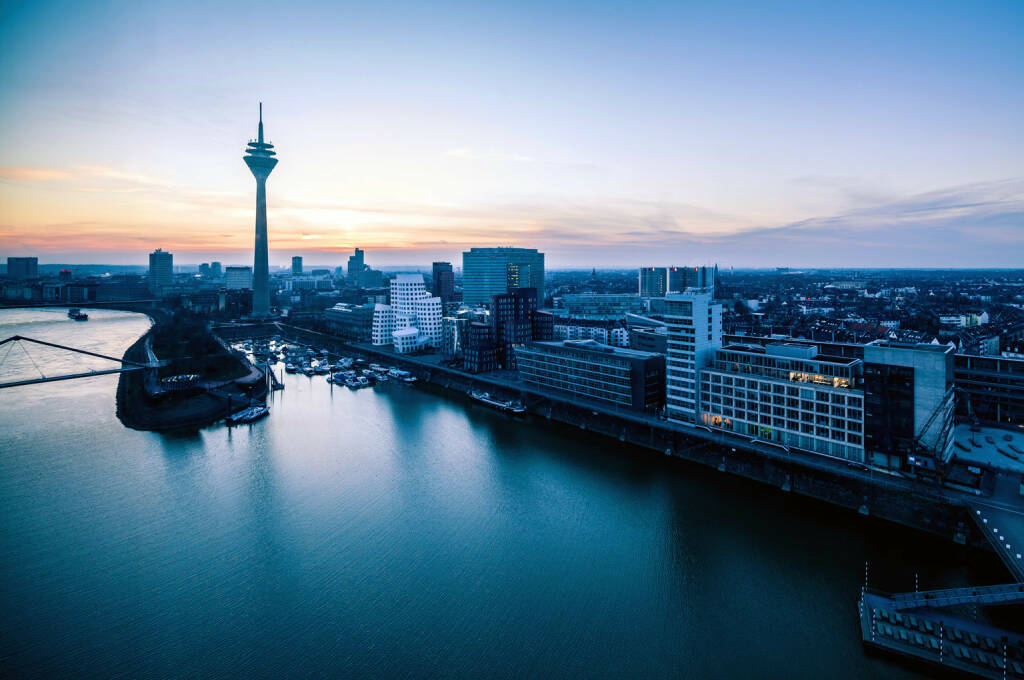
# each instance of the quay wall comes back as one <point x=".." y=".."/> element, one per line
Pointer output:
<point x="914" y="504"/>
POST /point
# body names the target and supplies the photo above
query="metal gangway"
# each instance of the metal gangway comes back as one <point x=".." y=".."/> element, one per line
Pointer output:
<point x="1010" y="593"/>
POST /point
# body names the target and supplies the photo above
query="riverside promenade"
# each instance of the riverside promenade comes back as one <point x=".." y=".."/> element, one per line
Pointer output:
<point x="920" y="504"/>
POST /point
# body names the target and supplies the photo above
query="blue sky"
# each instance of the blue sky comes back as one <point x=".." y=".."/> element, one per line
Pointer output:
<point x="754" y="134"/>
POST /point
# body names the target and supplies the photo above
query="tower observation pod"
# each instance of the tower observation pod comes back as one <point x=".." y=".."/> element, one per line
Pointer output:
<point x="261" y="159"/>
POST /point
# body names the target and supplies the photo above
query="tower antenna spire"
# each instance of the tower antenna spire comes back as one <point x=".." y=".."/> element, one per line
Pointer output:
<point x="261" y="122"/>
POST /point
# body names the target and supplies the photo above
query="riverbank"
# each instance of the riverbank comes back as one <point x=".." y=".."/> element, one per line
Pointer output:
<point x="912" y="503"/>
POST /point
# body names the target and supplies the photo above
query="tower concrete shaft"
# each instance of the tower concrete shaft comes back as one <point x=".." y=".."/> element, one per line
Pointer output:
<point x="260" y="157"/>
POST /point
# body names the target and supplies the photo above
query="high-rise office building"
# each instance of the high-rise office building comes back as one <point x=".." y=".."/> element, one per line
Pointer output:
<point x="694" y="333"/>
<point x="489" y="271"/>
<point x="238" y="278"/>
<point x="443" y="285"/>
<point x="260" y="157"/>
<point x="661" y="281"/>
<point x="653" y="281"/>
<point x="22" y="267"/>
<point x="356" y="265"/>
<point x="681" y="279"/>
<point x="297" y="265"/>
<point x="161" y="270"/>
<point x="215" y="270"/>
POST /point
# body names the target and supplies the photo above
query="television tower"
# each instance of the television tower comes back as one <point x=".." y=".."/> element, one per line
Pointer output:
<point x="260" y="157"/>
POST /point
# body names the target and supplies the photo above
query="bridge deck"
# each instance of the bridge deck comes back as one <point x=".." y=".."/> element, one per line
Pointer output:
<point x="1011" y="593"/>
<point x="941" y="638"/>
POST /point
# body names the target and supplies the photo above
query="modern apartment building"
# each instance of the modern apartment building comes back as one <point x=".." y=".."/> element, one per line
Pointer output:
<point x="161" y="270"/>
<point x="694" y="333"/>
<point x="620" y="377"/>
<point x="492" y="271"/>
<point x="786" y="393"/>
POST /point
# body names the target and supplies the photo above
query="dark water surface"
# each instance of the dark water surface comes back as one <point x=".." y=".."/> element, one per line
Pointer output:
<point x="399" y="532"/>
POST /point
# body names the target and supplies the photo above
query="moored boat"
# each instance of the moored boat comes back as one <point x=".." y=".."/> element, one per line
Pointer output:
<point x="510" y="406"/>
<point x="247" y="415"/>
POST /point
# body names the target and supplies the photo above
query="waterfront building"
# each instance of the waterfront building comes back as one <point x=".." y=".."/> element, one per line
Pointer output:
<point x="453" y="335"/>
<point x="480" y="353"/>
<point x="413" y="317"/>
<point x="788" y="394"/>
<point x="22" y="267"/>
<point x="592" y="304"/>
<point x="356" y="265"/>
<point x="443" y="281"/>
<point x="694" y="333"/>
<point x="909" y="403"/>
<point x="588" y="369"/>
<point x="261" y="159"/>
<point x="382" y="325"/>
<point x="512" y="315"/>
<point x="297" y="265"/>
<point x="161" y="270"/>
<point x="492" y="271"/>
<point x="238" y="278"/>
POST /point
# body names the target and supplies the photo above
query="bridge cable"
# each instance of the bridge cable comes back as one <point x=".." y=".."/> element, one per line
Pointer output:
<point x="24" y="349"/>
<point x="9" y="348"/>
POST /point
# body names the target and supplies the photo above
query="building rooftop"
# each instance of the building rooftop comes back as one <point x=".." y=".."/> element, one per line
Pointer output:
<point x="595" y="346"/>
<point x="781" y="350"/>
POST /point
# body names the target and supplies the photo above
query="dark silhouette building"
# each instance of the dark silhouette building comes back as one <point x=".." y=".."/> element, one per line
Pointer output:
<point x="443" y="285"/>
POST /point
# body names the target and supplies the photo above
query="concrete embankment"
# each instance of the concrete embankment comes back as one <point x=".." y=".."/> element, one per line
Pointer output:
<point x="908" y="502"/>
<point x="141" y="408"/>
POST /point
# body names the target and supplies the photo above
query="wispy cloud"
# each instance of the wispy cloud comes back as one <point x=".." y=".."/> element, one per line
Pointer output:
<point x="33" y="174"/>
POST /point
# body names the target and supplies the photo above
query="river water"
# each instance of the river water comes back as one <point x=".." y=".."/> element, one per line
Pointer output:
<point x="399" y="532"/>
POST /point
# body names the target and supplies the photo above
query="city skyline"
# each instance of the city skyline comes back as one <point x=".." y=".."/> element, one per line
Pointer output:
<point x="867" y="136"/>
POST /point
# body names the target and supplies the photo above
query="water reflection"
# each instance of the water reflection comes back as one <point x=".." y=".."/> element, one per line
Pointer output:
<point x="401" y="531"/>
